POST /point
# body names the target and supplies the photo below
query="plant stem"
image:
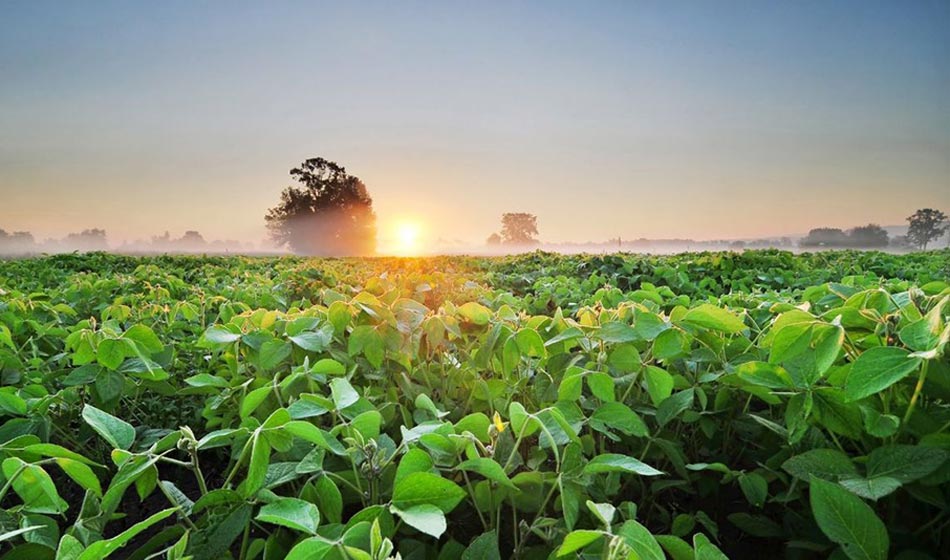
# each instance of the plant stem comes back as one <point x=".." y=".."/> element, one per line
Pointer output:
<point x="913" y="399"/>
<point x="244" y="540"/>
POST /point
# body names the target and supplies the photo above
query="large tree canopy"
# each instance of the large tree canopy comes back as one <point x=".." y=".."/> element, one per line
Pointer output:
<point x="519" y="228"/>
<point x="330" y="214"/>
<point x="926" y="225"/>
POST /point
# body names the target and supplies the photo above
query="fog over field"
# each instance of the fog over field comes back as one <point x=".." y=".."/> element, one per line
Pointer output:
<point x="634" y="121"/>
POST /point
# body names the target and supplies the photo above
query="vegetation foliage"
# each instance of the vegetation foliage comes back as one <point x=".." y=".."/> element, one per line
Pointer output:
<point x="698" y="406"/>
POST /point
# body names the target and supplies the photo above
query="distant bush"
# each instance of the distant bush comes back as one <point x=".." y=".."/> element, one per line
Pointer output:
<point x="871" y="235"/>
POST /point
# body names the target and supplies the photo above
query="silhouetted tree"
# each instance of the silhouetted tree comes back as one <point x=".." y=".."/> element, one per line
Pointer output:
<point x="926" y="225"/>
<point x="192" y="236"/>
<point x="16" y="242"/>
<point x="88" y="240"/>
<point x="824" y="237"/>
<point x="519" y="228"/>
<point x="493" y="239"/>
<point x="871" y="235"/>
<point x="330" y="214"/>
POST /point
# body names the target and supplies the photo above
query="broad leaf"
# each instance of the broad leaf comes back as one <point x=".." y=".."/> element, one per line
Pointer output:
<point x="848" y="521"/>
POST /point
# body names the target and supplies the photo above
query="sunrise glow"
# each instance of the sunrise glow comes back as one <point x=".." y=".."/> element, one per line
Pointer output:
<point x="407" y="242"/>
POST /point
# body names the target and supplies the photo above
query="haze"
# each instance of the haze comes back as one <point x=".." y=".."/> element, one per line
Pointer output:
<point x="633" y="119"/>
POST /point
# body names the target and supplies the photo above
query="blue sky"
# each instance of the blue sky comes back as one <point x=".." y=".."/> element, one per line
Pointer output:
<point x="656" y="119"/>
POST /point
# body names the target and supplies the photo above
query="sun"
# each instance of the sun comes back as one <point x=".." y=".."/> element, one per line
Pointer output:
<point x="407" y="238"/>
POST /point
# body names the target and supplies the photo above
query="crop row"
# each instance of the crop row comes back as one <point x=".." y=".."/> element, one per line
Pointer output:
<point x="364" y="409"/>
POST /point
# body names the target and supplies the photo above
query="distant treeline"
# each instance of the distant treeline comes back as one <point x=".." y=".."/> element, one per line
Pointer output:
<point x="24" y="243"/>
<point x="865" y="237"/>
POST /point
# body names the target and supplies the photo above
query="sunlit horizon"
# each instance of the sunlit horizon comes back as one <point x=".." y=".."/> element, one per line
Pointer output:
<point x="691" y="121"/>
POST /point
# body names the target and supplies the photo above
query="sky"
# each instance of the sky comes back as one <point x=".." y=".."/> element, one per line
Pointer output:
<point x="660" y="119"/>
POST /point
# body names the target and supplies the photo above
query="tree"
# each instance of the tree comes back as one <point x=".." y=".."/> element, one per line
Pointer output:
<point x="87" y="240"/>
<point x="330" y="214"/>
<point x="16" y="242"/>
<point x="519" y="228"/>
<point x="926" y="225"/>
<point x="493" y="240"/>
<point x="871" y="235"/>
<point x="191" y="241"/>
<point x="823" y="237"/>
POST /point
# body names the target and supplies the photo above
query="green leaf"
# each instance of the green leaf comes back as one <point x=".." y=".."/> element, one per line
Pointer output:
<point x="367" y="424"/>
<point x="34" y="486"/>
<point x="483" y="547"/>
<point x="711" y="317"/>
<point x="292" y="513"/>
<point x="905" y="463"/>
<point x="340" y="314"/>
<point x="343" y="393"/>
<point x="924" y="334"/>
<point x="522" y="423"/>
<point x="475" y="313"/>
<point x="877" y="369"/>
<point x="312" y="341"/>
<point x="617" y="333"/>
<point x="257" y="469"/>
<point x="12" y="404"/>
<point x="254" y="399"/>
<point x="53" y="450"/>
<point x="477" y="423"/>
<point x="426" y="488"/>
<point x="601" y="385"/>
<point x="81" y="473"/>
<point x="119" y="433"/>
<point x="624" y="358"/>
<point x="848" y="521"/>
<point x="604" y="512"/>
<point x="873" y="488"/>
<point x="827" y="464"/>
<point x="677" y="548"/>
<point x="6" y="338"/>
<point x="328" y="366"/>
<point x="705" y="549"/>
<point x="569" y="390"/>
<point x="618" y="416"/>
<point x="415" y="460"/>
<point x="790" y="340"/>
<point x="756" y="525"/>
<point x="220" y="336"/>
<point x="672" y="407"/>
<point x="530" y="343"/>
<point x="366" y="339"/>
<point x="207" y="380"/>
<point x="659" y="384"/>
<point x="272" y="353"/>
<point x="144" y="338"/>
<point x="670" y="344"/>
<point x="425" y="517"/>
<point x="763" y="374"/>
<point x="488" y="468"/>
<point x="330" y="500"/>
<point x="103" y="549"/>
<point x="70" y="548"/>
<point x="576" y="540"/>
<point x="614" y="462"/>
<point x="111" y="352"/>
<point x="314" y="548"/>
<point x="755" y="488"/>
<point x="641" y="541"/>
<point x="879" y="425"/>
